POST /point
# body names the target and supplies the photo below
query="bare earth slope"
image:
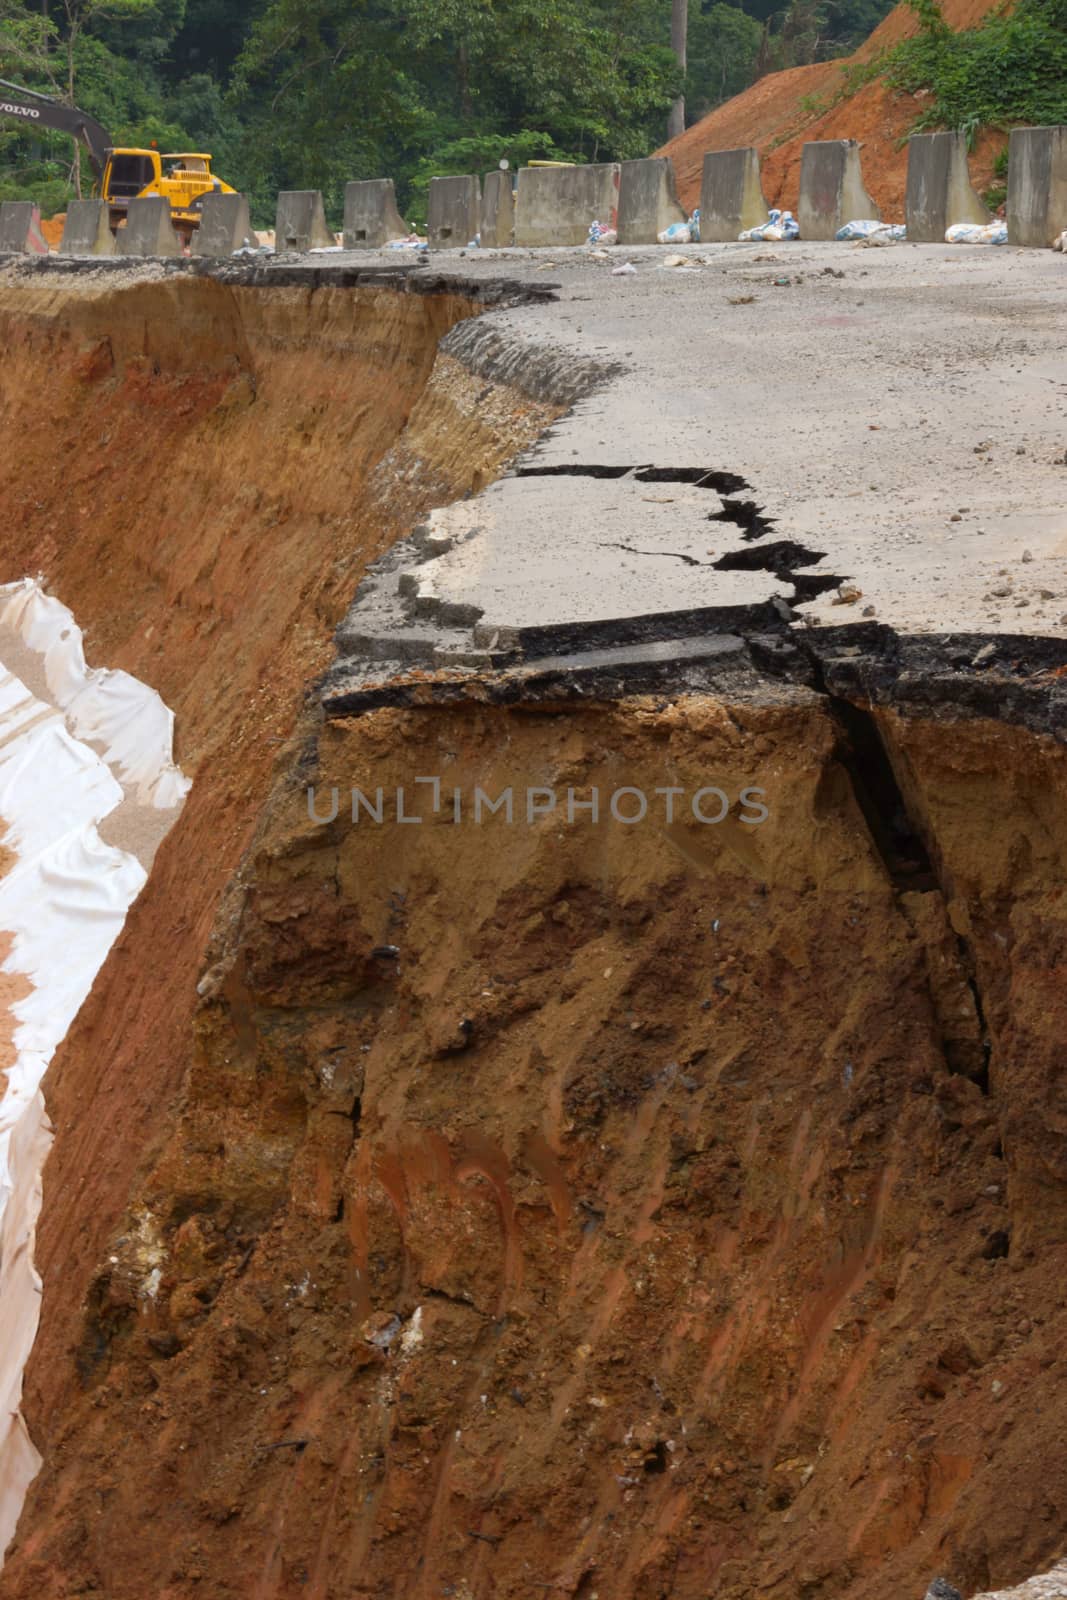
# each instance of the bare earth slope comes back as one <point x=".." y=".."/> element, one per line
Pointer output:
<point x="773" y="117"/>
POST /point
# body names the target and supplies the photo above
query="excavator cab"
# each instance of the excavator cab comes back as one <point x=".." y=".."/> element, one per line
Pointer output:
<point x="128" y="173"/>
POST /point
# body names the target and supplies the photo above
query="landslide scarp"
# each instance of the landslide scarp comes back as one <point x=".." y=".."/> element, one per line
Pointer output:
<point x="651" y="1208"/>
<point x="554" y="1203"/>
<point x="202" y="470"/>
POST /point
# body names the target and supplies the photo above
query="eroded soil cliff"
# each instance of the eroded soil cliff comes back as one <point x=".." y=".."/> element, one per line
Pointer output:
<point x="202" y="472"/>
<point x="622" y="1209"/>
<point x="507" y="1209"/>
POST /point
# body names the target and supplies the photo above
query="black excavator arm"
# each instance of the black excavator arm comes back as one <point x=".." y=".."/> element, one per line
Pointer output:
<point x="41" y="111"/>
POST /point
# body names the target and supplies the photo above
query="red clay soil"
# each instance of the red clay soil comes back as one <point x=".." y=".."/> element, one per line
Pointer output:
<point x="647" y="1227"/>
<point x="771" y="116"/>
<point x="605" y="1213"/>
<point x="169" y="470"/>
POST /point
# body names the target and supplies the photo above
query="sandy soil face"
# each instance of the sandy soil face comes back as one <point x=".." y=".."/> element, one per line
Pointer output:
<point x="166" y="470"/>
<point x="630" y="1206"/>
<point x="610" y="1210"/>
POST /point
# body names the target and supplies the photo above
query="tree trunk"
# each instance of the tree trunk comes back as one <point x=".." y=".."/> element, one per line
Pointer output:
<point x="464" y="74"/>
<point x="71" y="35"/>
<point x="679" y="29"/>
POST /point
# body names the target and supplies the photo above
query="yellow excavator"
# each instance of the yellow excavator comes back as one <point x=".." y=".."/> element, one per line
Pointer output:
<point x="121" y="173"/>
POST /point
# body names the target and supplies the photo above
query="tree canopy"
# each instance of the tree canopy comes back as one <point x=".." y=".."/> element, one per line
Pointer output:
<point x="311" y="93"/>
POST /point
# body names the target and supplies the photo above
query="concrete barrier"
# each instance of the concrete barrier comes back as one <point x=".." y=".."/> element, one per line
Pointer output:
<point x="20" y="229"/>
<point x="831" y="188"/>
<point x="555" y="205"/>
<point x="1037" y="185"/>
<point x="648" y="201"/>
<point x="455" y="212"/>
<point x="87" y="229"/>
<point x="148" y="230"/>
<point x="371" y="216"/>
<point x="939" y="189"/>
<point x="225" y="226"/>
<point x="731" y="195"/>
<point x="498" y="211"/>
<point x="300" y="222"/>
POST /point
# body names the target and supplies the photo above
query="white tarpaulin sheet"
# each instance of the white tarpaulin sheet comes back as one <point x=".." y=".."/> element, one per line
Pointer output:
<point x="63" y="899"/>
<point x="110" y="709"/>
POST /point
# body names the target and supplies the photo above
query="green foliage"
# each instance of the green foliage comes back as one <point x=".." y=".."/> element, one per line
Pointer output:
<point x="328" y="90"/>
<point x="805" y="31"/>
<point x="27" y="45"/>
<point x="723" y="45"/>
<point x="311" y="93"/>
<point x="43" y="182"/>
<point x="476" y="153"/>
<point x="1013" y="69"/>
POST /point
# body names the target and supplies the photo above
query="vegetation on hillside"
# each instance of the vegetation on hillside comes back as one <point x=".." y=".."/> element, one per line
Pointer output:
<point x="1012" y="70"/>
<point x="310" y="93"/>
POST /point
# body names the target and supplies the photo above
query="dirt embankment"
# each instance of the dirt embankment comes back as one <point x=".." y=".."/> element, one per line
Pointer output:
<point x="785" y="110"/>
<point x="496" y="1210"/>
<point x="594" y="1210"/>
<point x="202" y="473"/>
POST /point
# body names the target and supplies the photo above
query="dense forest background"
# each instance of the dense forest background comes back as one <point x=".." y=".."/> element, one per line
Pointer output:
<point x="310" y="93"/>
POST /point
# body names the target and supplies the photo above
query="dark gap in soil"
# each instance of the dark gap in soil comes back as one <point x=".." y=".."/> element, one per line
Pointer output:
<point x="811" y="586"/>
<point x="572" y="471"/>
<point x="880" y="799"/>
<point x="656" y="1460"/>
<point x="981" y="1078"/>
<point x="746" y="515"/>
<point x="906" y="858"/>
<point x="781" y="556"/>
<point x="703" y="477"/>
<point x="997" y="1245"/>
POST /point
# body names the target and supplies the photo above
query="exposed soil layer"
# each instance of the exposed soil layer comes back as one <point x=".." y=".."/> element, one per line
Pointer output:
<point x="493" y="1209"/>
<point x="202" y="472"/>
<point x="52" y="228"/>
<point x="620" y="1209"/>
<point x="782" y="112"/>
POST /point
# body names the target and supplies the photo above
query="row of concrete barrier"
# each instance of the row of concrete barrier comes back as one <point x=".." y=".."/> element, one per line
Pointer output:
<point x="938" y="194"/>
<point x="225" y="226"/>
<point x="554" y="206"/>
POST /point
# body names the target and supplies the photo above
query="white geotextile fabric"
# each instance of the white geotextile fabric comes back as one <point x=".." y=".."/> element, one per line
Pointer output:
<point x="108" y="707"/>
<point x="63" y="900"/>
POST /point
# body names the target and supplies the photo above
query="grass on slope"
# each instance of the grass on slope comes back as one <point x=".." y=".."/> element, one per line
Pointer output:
<point x="1009" y="71"/>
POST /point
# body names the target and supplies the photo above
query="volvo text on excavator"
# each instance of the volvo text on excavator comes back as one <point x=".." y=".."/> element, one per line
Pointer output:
<point x="121" y="174"/>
